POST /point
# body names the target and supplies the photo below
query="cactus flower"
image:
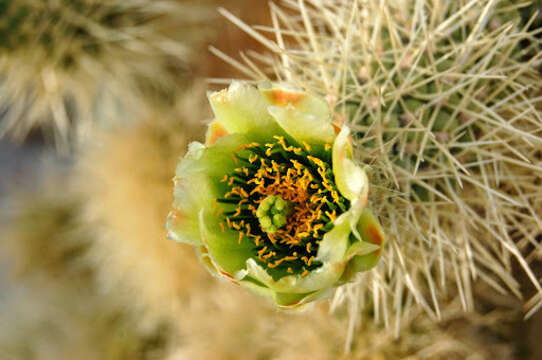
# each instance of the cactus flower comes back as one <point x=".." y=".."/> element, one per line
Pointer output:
<point x="273" y="200"/>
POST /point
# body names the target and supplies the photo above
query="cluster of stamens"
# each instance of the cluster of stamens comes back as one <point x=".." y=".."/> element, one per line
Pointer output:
<point x="283" y="200"/>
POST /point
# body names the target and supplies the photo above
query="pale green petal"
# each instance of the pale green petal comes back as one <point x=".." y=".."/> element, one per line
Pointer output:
<point x="183" y="228"/>
<point x="224" y="249"/>
<point x="335" y="243"/>
<point x="207" y="261"/>
<point x="303" y="126"/>
<point x="303" y="116"/>
<point x="243" y="109"/>
<point x="351" y="179"/>
<point x="217" y="160"/>
<point x="371" y="233"/>
<point x="282" y="300"/>
<point x="323" y="277"/>
<point x="197" y="184"/>
<point x="285" y="301"/>
<point x="360" y="248"/>
<point x="192" y="190"/>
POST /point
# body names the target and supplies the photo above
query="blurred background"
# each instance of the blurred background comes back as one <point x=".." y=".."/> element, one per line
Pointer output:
<point x="98" y="100"/>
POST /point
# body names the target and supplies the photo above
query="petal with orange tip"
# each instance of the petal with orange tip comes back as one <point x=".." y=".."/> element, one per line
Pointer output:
<point x="215" y="131"/>
<point x="242" y="109"/>
<point x="372" y="234"/>
<point x="303" y="116"/>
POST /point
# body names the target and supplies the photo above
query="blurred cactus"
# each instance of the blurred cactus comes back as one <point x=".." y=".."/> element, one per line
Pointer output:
<point x="533" y="10"/>
<point x="126" y="182"/>
<point x="50" y="307"/>
<point x="417" y="99"/>
<point x="67" y="64"/>
<point x="61" y="321"/>
<point x="250" y="329"/>
<point x="446" y="109"/>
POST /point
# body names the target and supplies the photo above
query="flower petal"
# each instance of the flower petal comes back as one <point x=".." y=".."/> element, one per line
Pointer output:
<point x="304" y="117"/>
<point x="360" y="248"/>
<point x="351" y="179"/>
<point x="242" y="109"/>
<point x="335" y="243"/>
<point x="215" y="131"/>
<point x="197" y="184"/>
<point x="227" y="255"/>
<point x="182" y="228"/>
<point x="192" y="190"/>
<point x="285" y="301"/>
<point x="371" y="232"/>
<point x="321" y="278"/>
<point x="207" y="261"/>
<point x="302" y="126"/>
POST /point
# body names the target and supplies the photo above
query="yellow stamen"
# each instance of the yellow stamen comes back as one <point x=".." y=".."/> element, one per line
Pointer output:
<point x="243" y="193"/>
<point x="276" y="263"/>
<point x="316" y="228"/>
<point x="295" y="183"/>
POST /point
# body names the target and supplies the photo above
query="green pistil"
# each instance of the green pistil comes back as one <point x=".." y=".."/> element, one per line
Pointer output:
<point x="272" y="213"/>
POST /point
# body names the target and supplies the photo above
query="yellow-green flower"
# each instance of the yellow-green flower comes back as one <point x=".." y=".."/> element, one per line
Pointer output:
<point x="273" y="200"/>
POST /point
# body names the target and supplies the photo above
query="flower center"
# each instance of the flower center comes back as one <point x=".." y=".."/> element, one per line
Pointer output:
<point x="283" y="200"/>
<point x="272" y="213"/>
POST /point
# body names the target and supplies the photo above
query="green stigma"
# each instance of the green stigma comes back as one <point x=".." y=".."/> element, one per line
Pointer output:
<point x="272" y="213"/>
